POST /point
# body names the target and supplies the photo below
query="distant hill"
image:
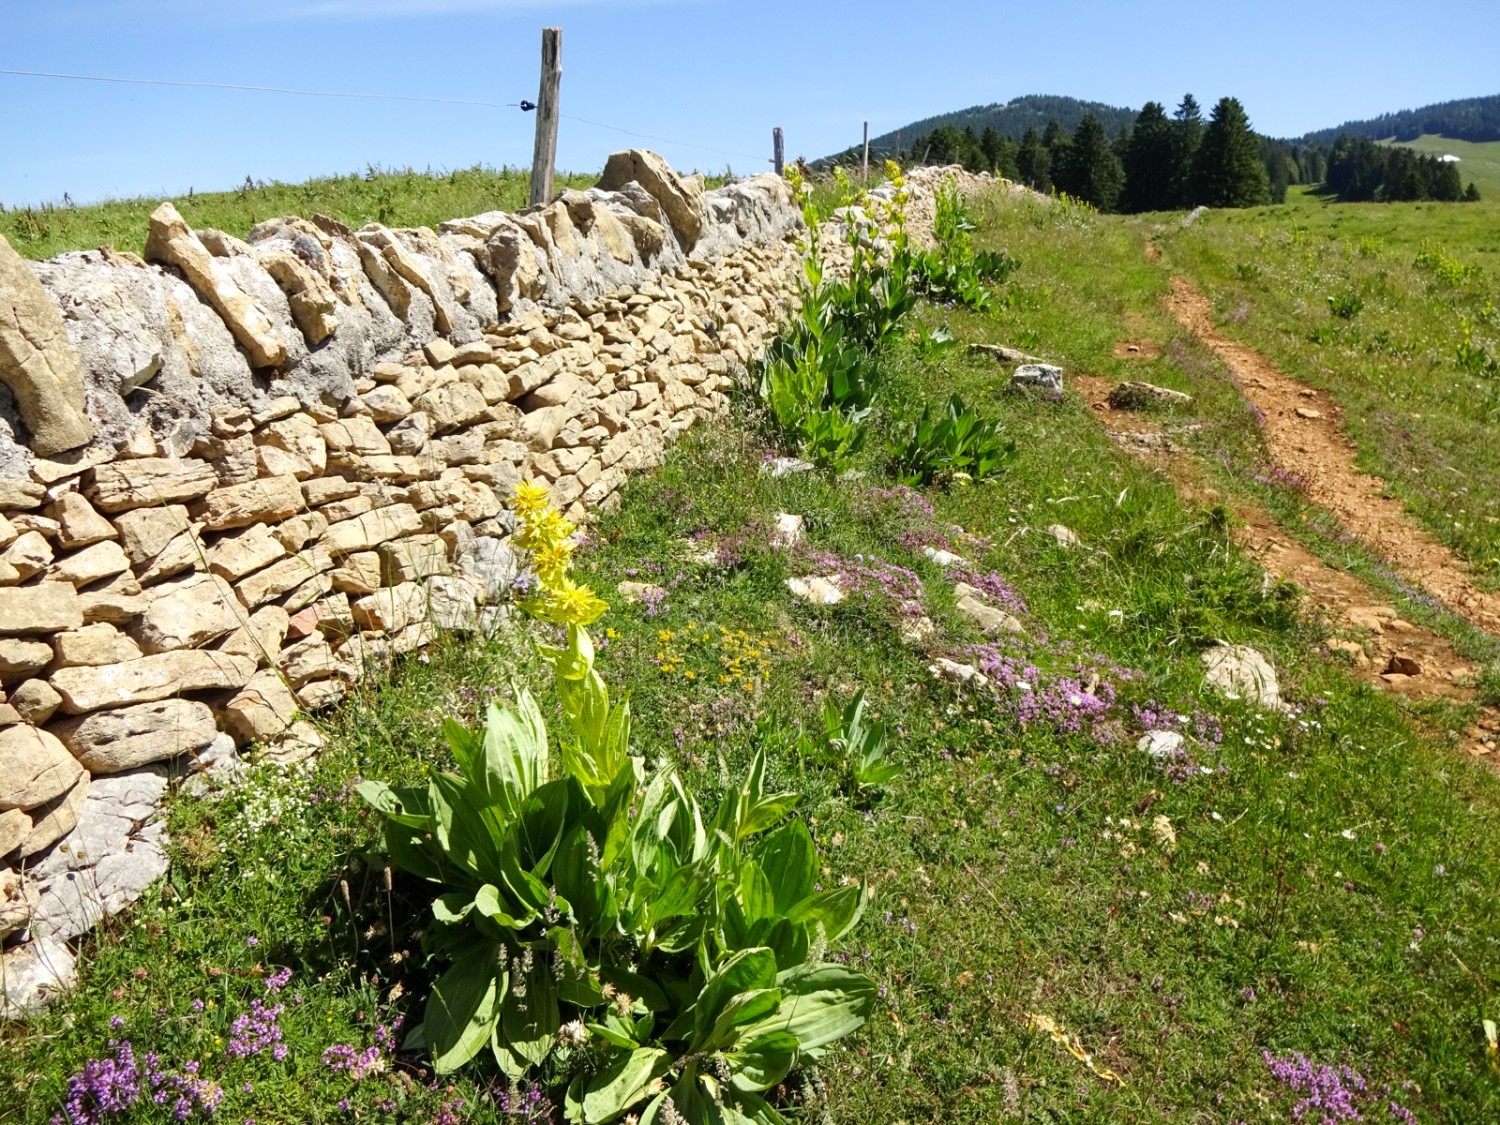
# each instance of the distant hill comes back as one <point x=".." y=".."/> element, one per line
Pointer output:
<point x="1011" y="119"/>
<point x="1468" y="119"/>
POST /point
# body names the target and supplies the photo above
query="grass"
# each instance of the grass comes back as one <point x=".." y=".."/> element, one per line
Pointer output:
<point x="1318" y="881"/>
<point x="394" y="198"/>
<point x="1479" y="161"/>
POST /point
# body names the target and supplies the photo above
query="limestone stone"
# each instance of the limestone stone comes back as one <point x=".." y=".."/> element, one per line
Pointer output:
<point x="1160" y="743"/>
<point x="95" y="644"/>
<point x="452" y="602"/>
<point x="386" y="404"/>
<point x="280" y="578"/>
<point x="78" y="524"/>
<point x="20" y="658"/>
<point x="355" y="435"/>
<point x="38" y="363"/>
<point x="267" y="499"/>
<point x="262" y="711"/>
<point x="300" y="530"/>
<point x="319" y="695"/>
<point x="35" y="768"/>
<point x="117" y="601"/>
<point x="409" y="435"/>
<point x="291" y="447"/>
<point x="113" y="741"/>
<point x="680" y="198"/>
<point x="15" y="826"/>
<point x="539" y="429"/>
<point x="371" y="529"/>
<point x="1241" y="671"/>
<point x="120" y="486"/>
<point x="171" y="241"/>
<point x="418" y="556"/>
<point x="160" y="676"/>
<point x="182" y="552"/>
<point x="244" y="552"/>
<point x="261" y="636"/>
<point x="358" y="573"/>
<point x="145" y="532"/>
<point x="817" y="590"/>
<point x="457" y="404"/>
<point x="48" y="608"/>
<point x="391" y="609"/>
<point x="188" y="613"/>
<point x="35" y="701"/>
<point x="312" y="659"/>
<point x="33" y="975"/>
<point x="1065" y="536"/>
<point x="1134" y="395"/>
<point x="102" y="560"/>
<point x="1043" y="375"/>
<point x="326" y="490"/>
<point x="29" y="555"/>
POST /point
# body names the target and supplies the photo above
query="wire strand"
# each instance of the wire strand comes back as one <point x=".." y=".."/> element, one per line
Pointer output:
<point x="662" y="140"/>
<point x="258" y="89"/>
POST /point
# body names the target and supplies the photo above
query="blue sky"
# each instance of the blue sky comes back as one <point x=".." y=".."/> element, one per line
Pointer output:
<point x="715" y="74"/>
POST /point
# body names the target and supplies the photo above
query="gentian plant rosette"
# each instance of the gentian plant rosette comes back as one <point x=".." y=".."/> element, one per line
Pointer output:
<point x="594" y="929"/>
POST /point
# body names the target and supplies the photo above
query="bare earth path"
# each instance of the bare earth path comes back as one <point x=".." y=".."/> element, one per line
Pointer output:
<point x="1304" y="436"/>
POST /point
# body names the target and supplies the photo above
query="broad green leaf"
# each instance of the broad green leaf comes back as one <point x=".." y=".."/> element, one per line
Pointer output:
<point x="626" y="1081"/>
<point x="460" y="830"/>
<point x="755" y="1109"/>
<point x="539" y="825"/>
<point x="462" y="1008"/>
<point x="741" y="1011"/>
<point x="490" y="902"/>
<point x="746" y="971"/>
<point x="530" y="1023"/>
<point x="836" y="911"/>
<point x="576" y="875"/>
<point x="790" y="861"/>
<point x="760" y="1063"/>
<point x="820" y="1004"/>
<point x="755" y="894"/>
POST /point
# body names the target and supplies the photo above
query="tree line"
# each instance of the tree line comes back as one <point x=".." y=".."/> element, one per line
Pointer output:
<point x="1176" y="162"/>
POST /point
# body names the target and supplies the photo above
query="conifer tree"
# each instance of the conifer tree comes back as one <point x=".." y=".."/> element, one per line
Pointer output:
<point x="1228" y="170"/>
<point x="1471" y="193"/>
<point x="1149" y="162"/>
<point x="1091" y="169"/>
<point x="1188" y="134"/>
<point x="1033" y="162"/>
<point x="1057" y="143"/>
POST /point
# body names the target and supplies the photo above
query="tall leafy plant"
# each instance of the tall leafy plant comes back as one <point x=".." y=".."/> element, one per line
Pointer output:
<point x="595" y="927"/>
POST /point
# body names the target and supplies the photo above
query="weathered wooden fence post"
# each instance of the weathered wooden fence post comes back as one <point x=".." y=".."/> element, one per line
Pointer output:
<point x="778" y="151"/>
<point x="864" y="167"/>
<point x="544" y="156"/>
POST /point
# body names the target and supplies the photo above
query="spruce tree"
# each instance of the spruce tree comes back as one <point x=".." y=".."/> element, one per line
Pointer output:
<point x="1471" y="193"/>
<point x="1228" y="170"/>
<point x="1149" y="162"/>
<point x="1057" y="143"/>
<point x="1033" y="163"/>
<point x="1188" y="134"/>
<point x="1093" y="171"/>
<point x="990" y="143"/>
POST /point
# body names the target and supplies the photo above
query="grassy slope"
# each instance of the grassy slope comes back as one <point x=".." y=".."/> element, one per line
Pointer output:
<point x="1421" y="420"/>
<point x="1477" y="162"/>
<point x="397" y="199"/>
<point x="1007" y="883"/>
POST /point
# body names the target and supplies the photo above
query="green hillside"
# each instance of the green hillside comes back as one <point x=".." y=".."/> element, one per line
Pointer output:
<point x="1477" y="162"/>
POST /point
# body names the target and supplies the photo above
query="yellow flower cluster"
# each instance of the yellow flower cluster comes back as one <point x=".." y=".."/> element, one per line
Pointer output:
<point x="738" y="658"/>
<point x="548" y="537"/>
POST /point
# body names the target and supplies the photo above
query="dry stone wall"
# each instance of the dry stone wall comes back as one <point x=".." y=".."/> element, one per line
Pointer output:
<point x="237" y="475"/>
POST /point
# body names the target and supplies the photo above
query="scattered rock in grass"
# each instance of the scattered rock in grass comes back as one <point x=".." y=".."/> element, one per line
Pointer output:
<point x="784" y="466"/>
<point x="1194" y="215"/>
<point x="1002" y="354"/>
<point x="788" y="531"/>
<point x="15" y="908"/>
<point x="113" y="854"/>
<point x="917" y="631"/>
<point x="816" y="591"/>
<point x="1042" y="375"/>
<point x="1160" y="743"/>
<point x="1137" y="396"/>
<point x="988" y="619"/>
<point x="301" y="742"/>
<point x="32" y="975"/>
<point x="634" y="592"/>
<point x="1241" y="671"/>
<point x="1065" y="536"/>
<point x="1404" y="665"/>
<point x="944" y="559"/>
<point x="1353" y="650"/>
<point x="1366" y="618"/>
<point x="1308" y="412"/>
<point x="1166" y="835"/>
<point x="217" y="765"/>
<point x="956" y="673"/>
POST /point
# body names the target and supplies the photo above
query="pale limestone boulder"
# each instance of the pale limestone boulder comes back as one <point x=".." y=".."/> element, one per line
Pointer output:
<point x="987" y="619"/>
<point x="100" y="643"/>
<point x="371" y="529"/>
<point x="117" y="601"/>
<point x="312" y="659"/>
<point x="35" y="701"/>
<point x="15" y="826"/>
<point x="78" y="524"/>
<point x="145" y="532"/>
<point x="391" y="609"/>
<point x="681" y="198"/>
<point x="244" y="552"/>
<point x="15" y="909"/>
<point x="453" y="405"/>
<point x="263" y="711"/>
<point x="817" y="590"/>
<point x="1241" y="671"/>
<point x="35" y="768"/>
<point x="33" y="975"/>
<point x="102" y="560"/>
<point x="114" y="741"/>
<point x="265" y="500"/>
<point x="119" y="486"/>
<point x="20" y="658"/>
<point x="356" y="434"/>
<point x="188" y="613"/>
<point x="298" y="531"/>
<point x="160" y="676"/>
<point x="38" y="363"/>
<point x="48" y="608"/>
<point x="172" y="242"/>
<point x="292" y="446"/>
<point x="288" y="575"/>
<point x="261" y="636"/>
<point x="28" y="556"/>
